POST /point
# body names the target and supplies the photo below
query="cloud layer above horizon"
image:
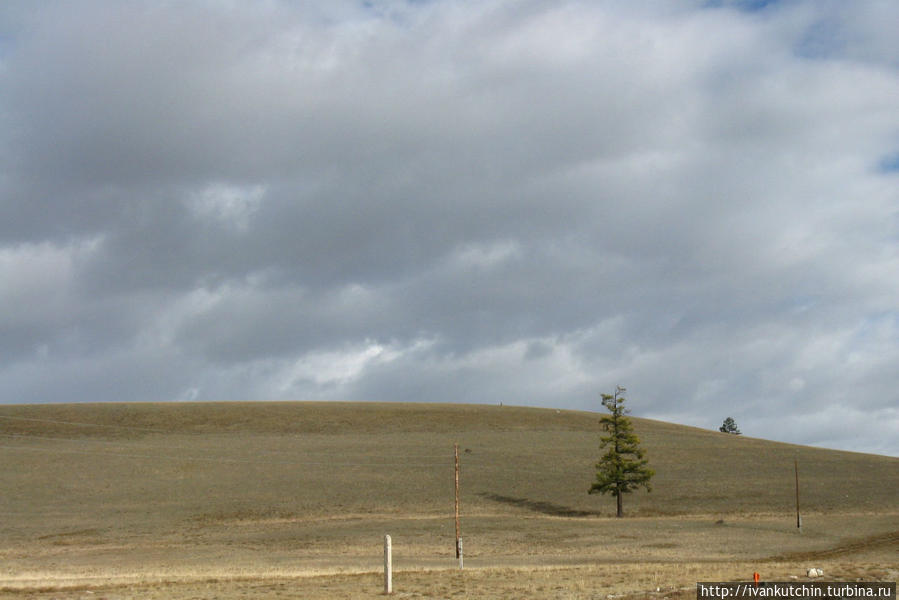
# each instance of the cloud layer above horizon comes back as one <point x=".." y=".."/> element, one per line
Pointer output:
<point x="449" y="201"/>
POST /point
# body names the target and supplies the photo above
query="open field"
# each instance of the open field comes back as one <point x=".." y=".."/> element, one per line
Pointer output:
<point x="258" y="500"/>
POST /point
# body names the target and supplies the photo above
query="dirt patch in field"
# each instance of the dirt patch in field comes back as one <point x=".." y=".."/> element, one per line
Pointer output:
<point x="873" y="543"/>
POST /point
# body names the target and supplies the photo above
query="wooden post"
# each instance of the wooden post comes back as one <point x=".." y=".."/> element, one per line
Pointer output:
<point x="388" y="566"/>
<point x="798" y="516"/>
<point x="458" y="531"/>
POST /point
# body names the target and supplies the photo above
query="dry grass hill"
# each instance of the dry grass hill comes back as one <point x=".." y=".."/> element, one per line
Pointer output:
<point x="257" y="500"/>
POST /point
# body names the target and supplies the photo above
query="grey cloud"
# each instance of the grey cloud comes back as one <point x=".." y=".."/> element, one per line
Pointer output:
<point x="526" y="203"/>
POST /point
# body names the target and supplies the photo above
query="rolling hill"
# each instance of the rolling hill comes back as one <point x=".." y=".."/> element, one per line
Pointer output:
<point x="185" y="490"/>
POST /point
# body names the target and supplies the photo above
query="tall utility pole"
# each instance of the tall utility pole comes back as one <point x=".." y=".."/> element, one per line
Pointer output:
<point x="798" y="516"/>
<point x="458" y="531"/>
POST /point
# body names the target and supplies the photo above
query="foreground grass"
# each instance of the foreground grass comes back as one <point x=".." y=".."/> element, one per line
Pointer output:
<point x="252" y="500"/>
<point x="645" y="580"/>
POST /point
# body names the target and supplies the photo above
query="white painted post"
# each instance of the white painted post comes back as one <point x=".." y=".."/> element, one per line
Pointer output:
<point x="459" y="546"/>
<point x="388" y="566"/>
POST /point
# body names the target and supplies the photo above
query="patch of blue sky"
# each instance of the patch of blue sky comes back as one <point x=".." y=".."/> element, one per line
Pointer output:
<point x="743" y="5"/>
<point x="382" y="6"/>
<point x="889" y="163"/>
<point x="755" y="5"/>
<point x="396" y="11"/>
<point x="881" y="326"/>
<point x="822" y="40"/>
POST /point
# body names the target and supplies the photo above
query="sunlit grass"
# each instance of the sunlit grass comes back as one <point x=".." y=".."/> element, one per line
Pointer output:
<point x="227" y="496"/>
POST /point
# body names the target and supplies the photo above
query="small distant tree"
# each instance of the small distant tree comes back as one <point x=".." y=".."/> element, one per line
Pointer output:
<point x="729" y="426"/>
<point x="623" y="468"/>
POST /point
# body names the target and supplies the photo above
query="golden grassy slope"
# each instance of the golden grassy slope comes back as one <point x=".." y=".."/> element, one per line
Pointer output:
<point x="535" y="459"/>
<point x="262" y="491"/>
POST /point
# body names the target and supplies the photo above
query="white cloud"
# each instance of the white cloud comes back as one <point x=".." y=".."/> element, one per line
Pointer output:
<point x="233" y="206"/>
<point x="332" y="371"/>
<point x="38" y="279"/>
<point x="485" y="256"/>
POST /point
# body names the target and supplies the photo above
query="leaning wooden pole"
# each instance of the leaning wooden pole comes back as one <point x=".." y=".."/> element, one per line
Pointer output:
<point x="798" y="515"/>
<point x="458" y="529"/>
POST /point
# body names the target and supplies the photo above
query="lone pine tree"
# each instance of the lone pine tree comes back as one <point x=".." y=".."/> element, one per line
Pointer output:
<point x="623" y="468"/>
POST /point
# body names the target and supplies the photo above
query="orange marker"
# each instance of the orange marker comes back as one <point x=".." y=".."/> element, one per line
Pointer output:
<point x="755" y="577"/>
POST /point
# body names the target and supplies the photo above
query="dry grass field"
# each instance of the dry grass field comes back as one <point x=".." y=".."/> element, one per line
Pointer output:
<point x="292" y="500"/>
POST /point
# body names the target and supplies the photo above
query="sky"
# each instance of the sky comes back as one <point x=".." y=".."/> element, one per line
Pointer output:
<point x="519" y="202"/>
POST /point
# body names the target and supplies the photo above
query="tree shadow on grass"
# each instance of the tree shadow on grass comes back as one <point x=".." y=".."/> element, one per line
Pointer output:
<point x="541" y="506"/>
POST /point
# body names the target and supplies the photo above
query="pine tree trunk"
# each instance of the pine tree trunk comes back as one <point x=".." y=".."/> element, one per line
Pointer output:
<point x="620" y="511"/>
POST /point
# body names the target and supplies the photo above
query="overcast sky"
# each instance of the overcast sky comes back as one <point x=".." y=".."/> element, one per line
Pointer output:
<point x="526" y="202"/>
